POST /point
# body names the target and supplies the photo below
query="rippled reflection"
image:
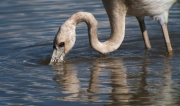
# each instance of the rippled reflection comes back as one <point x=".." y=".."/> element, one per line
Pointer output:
<point x="164" y="95"/>
<point x="66" y="75"/>
<point x="154" y="86"/>
<point x="117" y="86"/>
<point x="108" y="78"/>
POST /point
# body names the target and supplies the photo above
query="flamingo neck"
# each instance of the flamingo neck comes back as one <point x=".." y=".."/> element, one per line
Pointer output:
<point x="117" y="23"/>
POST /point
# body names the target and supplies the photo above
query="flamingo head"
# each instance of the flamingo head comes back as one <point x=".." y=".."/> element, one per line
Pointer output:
<point x="63" y="42"/>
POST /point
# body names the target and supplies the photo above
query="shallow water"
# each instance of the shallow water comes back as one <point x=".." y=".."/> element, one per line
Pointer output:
<point x="128" y="76"/>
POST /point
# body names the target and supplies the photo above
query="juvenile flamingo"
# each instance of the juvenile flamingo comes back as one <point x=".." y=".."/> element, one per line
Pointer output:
<point x="116" y="11"/>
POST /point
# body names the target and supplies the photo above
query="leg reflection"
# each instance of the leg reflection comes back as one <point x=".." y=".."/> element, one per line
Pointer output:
<point x="155" y="83"/>
<point x="165" y="95"/>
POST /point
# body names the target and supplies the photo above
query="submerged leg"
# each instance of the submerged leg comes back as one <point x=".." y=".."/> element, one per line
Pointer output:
<point x="166" y="38"/>
<point x="144" y="32"/>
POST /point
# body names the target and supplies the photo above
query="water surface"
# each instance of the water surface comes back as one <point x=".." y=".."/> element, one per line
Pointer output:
<point x="128" y="76"/>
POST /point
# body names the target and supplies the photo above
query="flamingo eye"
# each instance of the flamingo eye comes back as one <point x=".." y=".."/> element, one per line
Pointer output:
<point x="61" y="44"/>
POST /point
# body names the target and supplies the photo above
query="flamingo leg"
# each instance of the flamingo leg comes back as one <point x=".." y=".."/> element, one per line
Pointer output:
<point x="144" y="32"/>
<point x="166" y="38"/>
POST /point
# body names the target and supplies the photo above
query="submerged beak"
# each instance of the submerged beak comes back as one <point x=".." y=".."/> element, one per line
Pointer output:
<point x="58" y="55"/>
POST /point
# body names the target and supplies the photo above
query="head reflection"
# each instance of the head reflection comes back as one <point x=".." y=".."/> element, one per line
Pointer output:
<point x="67" y="76"/>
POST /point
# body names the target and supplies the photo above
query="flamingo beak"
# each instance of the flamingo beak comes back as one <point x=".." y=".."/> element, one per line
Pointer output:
<point x="57" y="55"/>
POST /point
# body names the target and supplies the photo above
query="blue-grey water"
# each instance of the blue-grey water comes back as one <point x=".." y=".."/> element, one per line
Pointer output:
<point x="128" y="76"/>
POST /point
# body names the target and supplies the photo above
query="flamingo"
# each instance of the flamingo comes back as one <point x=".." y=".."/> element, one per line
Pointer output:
<point x="116" y="11"/>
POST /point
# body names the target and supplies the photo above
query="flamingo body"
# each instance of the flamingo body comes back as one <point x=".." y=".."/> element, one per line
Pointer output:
<point x="148" y="7"/>
<point x="157" y="9"/>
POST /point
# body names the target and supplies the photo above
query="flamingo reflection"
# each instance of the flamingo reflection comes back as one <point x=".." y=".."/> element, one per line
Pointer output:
<point x="107" y="81"/>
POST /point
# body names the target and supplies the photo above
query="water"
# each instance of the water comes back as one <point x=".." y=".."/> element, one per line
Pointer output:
<point x="128" y="76"/>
